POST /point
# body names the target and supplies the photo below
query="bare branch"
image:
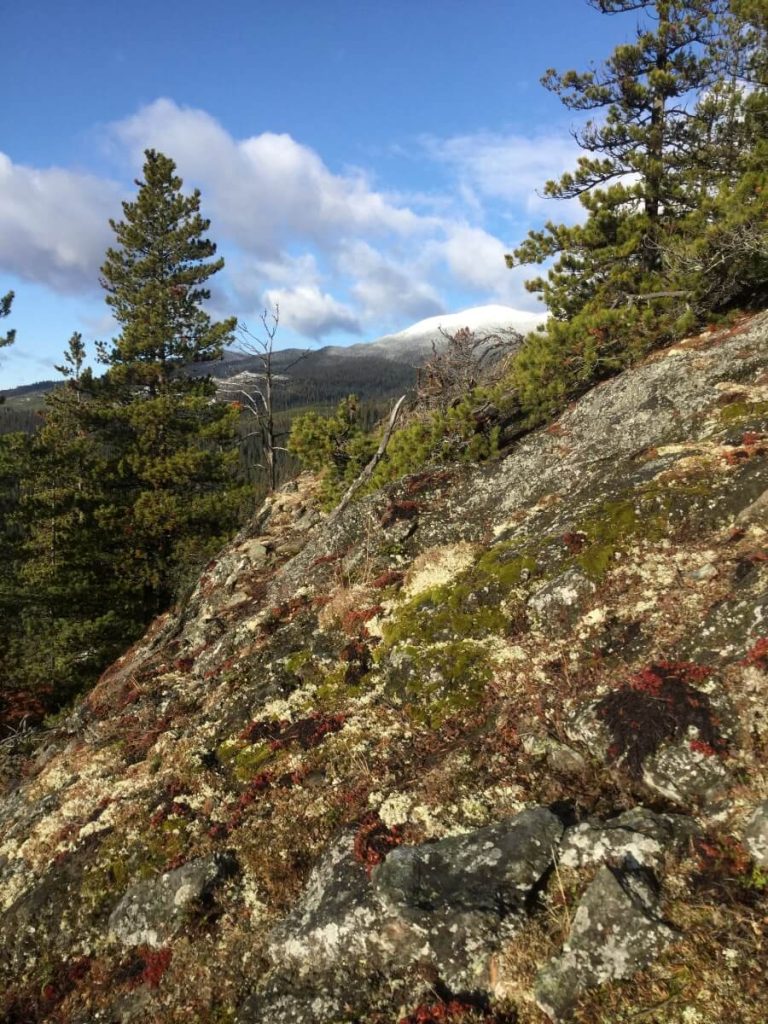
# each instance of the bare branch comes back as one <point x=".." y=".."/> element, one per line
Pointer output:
<point x="368" y="470"/>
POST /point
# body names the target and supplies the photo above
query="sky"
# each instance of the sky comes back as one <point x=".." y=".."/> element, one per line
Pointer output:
<point x="364" y="165"/>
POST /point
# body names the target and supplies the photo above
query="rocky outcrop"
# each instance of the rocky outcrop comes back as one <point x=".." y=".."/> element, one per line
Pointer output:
<point x="488" y="745"/>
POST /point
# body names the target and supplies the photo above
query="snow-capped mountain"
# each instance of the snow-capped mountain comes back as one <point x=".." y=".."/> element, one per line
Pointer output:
<point x="415" y="342"/>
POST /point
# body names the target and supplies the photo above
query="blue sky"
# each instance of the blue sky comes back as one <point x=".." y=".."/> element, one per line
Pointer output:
<point x="363" y="164"/>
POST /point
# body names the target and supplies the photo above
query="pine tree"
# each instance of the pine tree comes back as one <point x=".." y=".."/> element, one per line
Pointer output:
<point x="633" y="180"/>
<point x="6" y="301"/>
<point x="652" y="163"/>
<point x="79" y="609"/>
<point x="170" y="445"/>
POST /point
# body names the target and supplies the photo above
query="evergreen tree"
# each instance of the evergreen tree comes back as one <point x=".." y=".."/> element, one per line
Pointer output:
<point x="170" y="446"/>
<point x="633" y="182"/>
<point x="13" y="458"/>
<point x="652" y="163"/>
<point x="6" y="301"/>
<point x="79" y="610"/>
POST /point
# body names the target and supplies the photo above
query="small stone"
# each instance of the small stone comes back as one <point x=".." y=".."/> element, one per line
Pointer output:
<point x="704" y="573"/>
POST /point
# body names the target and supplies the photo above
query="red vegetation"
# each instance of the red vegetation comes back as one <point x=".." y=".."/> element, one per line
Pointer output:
<point x="758" y="654"/>
<point x="374" y="840"/>
<point x="145" y="967"/>
<point x="308" y="732"/>
<point x="455" y="1010"/>
<point x="574" y="541"/>
<point x="21" y="707"/>
<point x="659" y="704"/>
<point x="403" y="509"/>
<point x="387" y="579"/>
<point x="423" y="481"/>
<point x="354" y="621"/>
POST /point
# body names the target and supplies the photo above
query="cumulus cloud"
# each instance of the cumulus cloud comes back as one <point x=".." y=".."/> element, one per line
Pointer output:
<point x="388" y="289"/>
<point x="266" y="189"/>
<point x="54" y="225"/>
<point x="338" y="253"/>
<point x="311" y="312"/>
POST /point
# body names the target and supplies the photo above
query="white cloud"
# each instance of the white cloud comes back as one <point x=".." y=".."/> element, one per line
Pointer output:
<point x="387" y="289"/>
<point x="54" y="225"/>
<point x="337" y="252"/>
<point x="510" y="167"/>
<point x="310" y="312"/>
<point x="266" y="189"/>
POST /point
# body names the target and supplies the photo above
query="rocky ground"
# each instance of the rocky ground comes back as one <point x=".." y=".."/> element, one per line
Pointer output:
<point x="490" y="746"/>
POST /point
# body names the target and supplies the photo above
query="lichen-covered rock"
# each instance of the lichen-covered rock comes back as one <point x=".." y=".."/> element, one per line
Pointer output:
<point x="634" y="839"/>
<point x="416" y="670"/>
<point x="491" y="870"/>
<point x="756" y="835"/>
<point x="336" y="926"/>
<point x="615" y="933"/>
<point x="152" y="911"/>
<point x="443" y="903"/>
<point x="557" y="604"/>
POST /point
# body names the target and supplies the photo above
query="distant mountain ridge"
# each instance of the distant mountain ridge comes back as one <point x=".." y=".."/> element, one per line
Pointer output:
<point x="349" y="368"/>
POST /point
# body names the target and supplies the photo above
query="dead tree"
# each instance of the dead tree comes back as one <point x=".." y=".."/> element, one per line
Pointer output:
<point x="462" y="364"/>
<point x="256" y="390"/>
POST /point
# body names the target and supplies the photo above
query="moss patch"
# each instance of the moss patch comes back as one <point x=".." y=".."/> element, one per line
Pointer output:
<point x="435" y="682"/>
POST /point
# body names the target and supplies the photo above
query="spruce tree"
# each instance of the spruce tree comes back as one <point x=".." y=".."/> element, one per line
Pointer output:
<point x="171" y="455"/>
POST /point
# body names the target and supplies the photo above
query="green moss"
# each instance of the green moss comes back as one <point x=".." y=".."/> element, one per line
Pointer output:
<point x="435" y="682"/>
<point x="652" y="513"/>
<point x="251" y="760"/>
<point x="297" y="661"/>
<point x="506" y="565"/>
<point x="743" y="412"/>
<point x="474" y="606"/>
<point x="228" y="751"/>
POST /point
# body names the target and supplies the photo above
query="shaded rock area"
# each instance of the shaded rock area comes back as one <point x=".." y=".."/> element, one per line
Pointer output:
<point x="490" y="745"/>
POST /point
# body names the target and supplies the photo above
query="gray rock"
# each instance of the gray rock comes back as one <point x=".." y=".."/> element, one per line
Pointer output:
<point x="675" y="770"/>
<point x="685" y="775"/>
<point x="337" y="923"/>
<point x="447" y="904"/>
<point x="615" y="933"/>
<point x="756" y="835"/>
<point x="637" y="838"/>
<point x="152" y="911"/>
<point x="559" y="603"/>
<point x="492" y="869"/>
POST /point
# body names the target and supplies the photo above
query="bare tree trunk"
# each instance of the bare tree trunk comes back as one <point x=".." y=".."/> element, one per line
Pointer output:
<point x="368" y="471"/>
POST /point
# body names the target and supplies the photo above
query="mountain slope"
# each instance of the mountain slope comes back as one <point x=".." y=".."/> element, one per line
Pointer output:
<point x="381" y="766"/>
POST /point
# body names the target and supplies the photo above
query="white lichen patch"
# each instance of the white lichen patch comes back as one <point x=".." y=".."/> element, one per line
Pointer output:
<point x="438" y="566"/>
